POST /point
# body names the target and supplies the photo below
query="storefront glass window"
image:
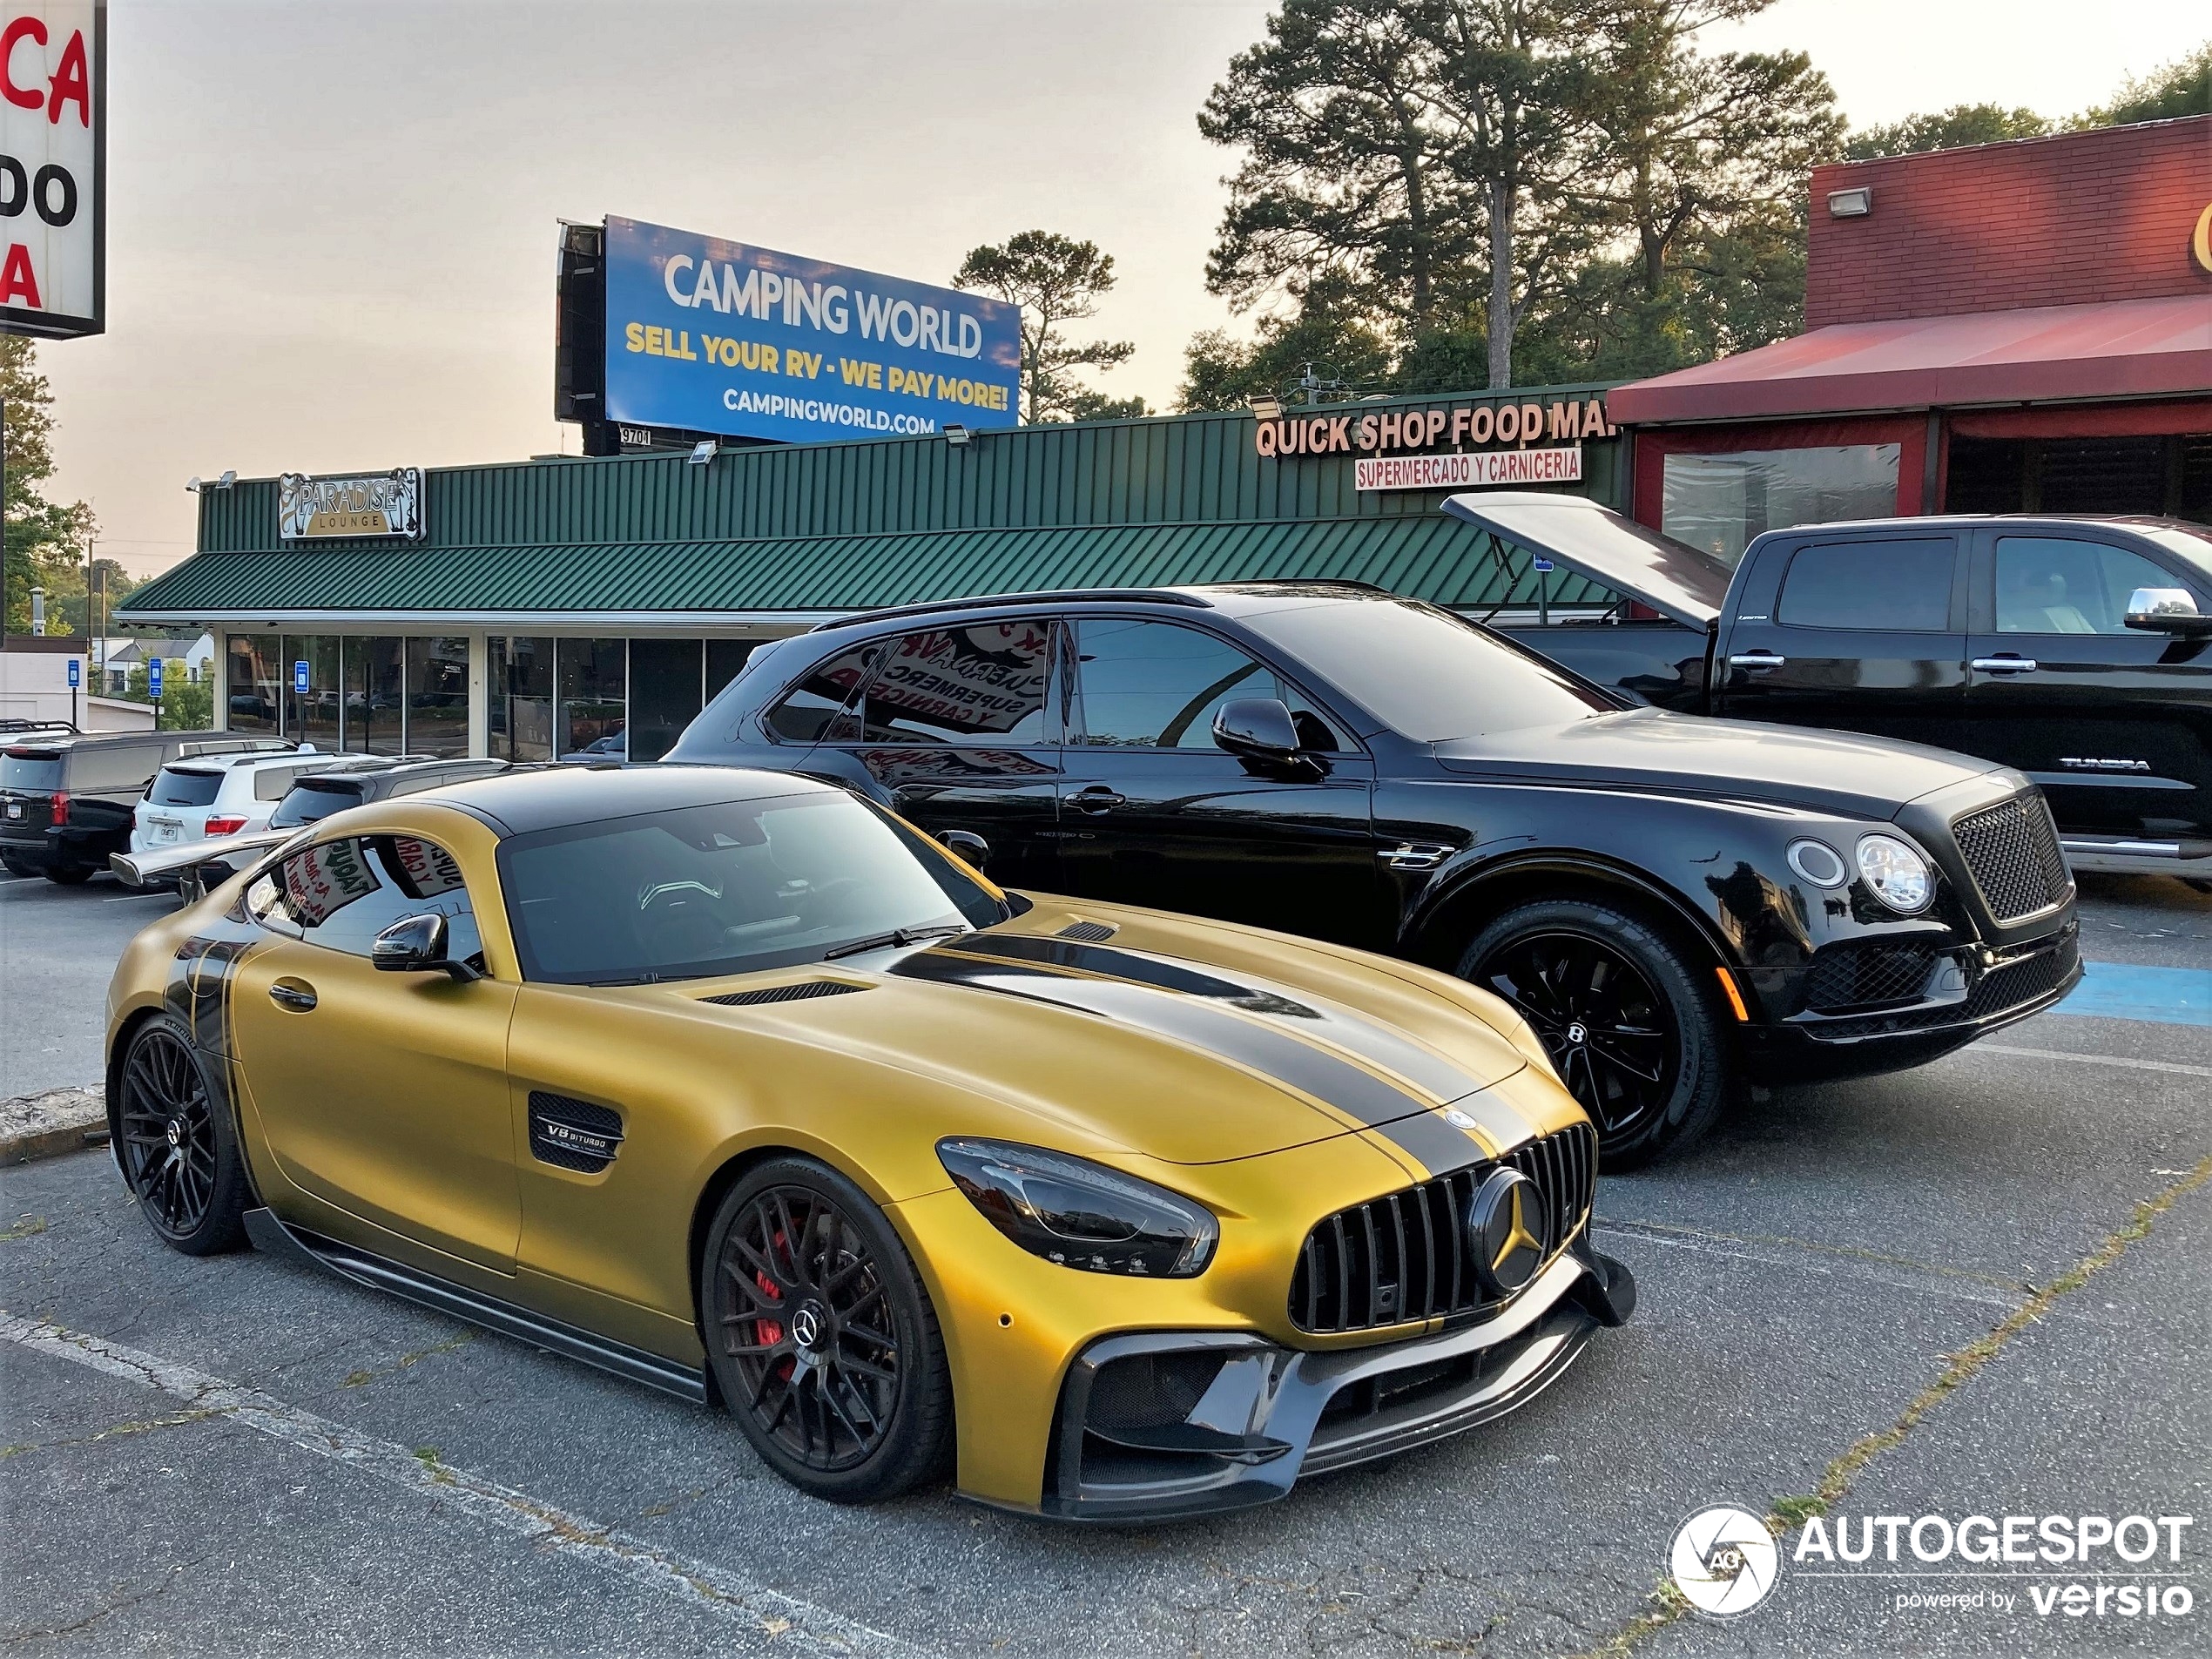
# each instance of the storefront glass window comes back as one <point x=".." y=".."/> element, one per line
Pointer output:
<point x="1719" y="502"/>
<point x="437" y="696"/>
<point x="522" y="699"/>
<point x="373" y="707"/>
<point x="594" y="683"/>
<point x="665" y="680"/>
<point x="725" y="660"/>
<point x="312" y="717"/>
<point x="255" y="682"/>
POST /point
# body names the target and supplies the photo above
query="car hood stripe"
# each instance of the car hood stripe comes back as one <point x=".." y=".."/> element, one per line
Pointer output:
<point x="1246" y="1031"/>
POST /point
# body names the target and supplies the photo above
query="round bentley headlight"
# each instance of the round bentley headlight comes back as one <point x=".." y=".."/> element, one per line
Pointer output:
<point x="1899" y="876"/>
<point x="1080" y="1214"/>
<point x="1818" y="863"/>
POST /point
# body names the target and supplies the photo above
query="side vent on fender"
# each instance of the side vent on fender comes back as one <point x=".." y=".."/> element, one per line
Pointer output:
<point x="800" y="992"/>
<point x="573" y="1134"/>
<point x="1090" y="933"/>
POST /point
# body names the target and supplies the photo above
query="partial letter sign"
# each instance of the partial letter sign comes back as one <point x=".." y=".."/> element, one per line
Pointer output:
<point x="53" y="167"/>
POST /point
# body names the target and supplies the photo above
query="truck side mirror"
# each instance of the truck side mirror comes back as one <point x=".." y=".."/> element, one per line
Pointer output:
<point x="2166" y="610"/>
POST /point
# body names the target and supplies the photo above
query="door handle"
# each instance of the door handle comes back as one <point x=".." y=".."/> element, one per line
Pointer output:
<point x="1097" y="798"/>
<point x="2005" y="664"/>
<point x="294" y="993"/>
<point x="1755" y="659"/>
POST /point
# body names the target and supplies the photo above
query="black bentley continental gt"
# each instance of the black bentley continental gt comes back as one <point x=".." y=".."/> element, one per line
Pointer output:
<point x="1675" y="904"/>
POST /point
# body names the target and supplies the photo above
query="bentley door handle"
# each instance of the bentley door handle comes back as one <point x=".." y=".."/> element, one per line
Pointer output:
<point x="1097" y="798"/>
<point x="294" y="993"/>
<point x="2004" y="665"/>
<point x="1757" y="659"/>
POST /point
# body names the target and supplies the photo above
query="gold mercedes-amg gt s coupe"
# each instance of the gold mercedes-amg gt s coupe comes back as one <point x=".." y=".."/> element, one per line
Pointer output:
<point x="740" y="1086"/>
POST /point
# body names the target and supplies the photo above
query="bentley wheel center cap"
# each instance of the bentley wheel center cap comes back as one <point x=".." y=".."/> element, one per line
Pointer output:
<point x="1508" y="1229"/>
<point x="809" y="1326"/>
<point x="1577" y="1032"/>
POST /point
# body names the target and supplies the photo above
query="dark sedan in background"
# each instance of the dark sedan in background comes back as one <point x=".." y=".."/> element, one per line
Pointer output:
<point x="1673" y="903"/>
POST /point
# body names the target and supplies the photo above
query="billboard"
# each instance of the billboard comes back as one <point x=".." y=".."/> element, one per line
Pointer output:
<point x="53" y="166"/>
<point x="723" y="337"/>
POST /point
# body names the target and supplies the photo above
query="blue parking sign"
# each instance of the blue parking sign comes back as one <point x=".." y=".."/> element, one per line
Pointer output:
<point x="299" y="677"/>
<point x="75" y="673"/>
<point x="153" y="676"/>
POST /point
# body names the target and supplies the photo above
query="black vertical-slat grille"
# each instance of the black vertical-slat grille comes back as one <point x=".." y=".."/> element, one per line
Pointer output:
<point x="2012" y="851"/>
<point x="1404" y="1255"/>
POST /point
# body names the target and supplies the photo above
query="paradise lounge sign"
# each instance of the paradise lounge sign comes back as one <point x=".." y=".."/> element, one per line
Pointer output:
<point x="1505" y="442"/>
<point x="383" y="505"/>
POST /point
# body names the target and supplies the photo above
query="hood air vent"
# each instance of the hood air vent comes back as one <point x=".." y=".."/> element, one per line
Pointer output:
<point x="803" y="991"/>
<point x="1090" y="933"/>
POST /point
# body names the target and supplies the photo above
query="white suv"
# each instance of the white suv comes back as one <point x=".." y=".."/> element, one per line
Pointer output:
<point x="221" y="794"/>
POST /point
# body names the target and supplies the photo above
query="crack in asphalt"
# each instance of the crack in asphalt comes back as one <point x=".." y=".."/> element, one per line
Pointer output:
<point x="784" y="1619"/>
<point x="1961" y="1368"/>
<point x="1850" y="1252"/>
<point x="106" y="1609"/>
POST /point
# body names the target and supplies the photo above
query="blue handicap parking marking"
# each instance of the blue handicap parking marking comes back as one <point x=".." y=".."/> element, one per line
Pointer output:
<point x="2123" y="991"/>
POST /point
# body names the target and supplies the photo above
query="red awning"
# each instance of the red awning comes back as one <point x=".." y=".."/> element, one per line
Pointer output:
<point x="2041" y="354"/>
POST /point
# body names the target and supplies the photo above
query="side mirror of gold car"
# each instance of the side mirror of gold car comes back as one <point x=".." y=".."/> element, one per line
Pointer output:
<point x="416" y="944"/>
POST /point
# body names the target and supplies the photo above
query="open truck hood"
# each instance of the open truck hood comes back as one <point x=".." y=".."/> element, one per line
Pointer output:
<point x="1673" y="577"/>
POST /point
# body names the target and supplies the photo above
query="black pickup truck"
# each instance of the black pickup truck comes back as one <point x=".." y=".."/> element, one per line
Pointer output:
<point x="2077" y="650"/>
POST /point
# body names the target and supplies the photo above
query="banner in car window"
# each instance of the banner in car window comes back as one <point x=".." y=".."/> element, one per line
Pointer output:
<point x="967" y="682"/>
<point x="426" y="869"/>
<point x="323" y="881"/>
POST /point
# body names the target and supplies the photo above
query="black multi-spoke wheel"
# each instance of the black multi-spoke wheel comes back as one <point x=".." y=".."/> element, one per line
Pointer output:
<point x="1632" y="1035"/>
<point x="175" y="1144"/>
<point x="823" y="1341"/>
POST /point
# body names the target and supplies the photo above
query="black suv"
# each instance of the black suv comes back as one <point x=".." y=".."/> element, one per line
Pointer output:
<point x="1673" y="902"/>
<point x="65" y="801"/>
<point x="358" y="780"/>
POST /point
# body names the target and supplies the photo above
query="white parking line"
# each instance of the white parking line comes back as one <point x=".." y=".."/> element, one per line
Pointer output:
<point x="783" y="1620"/>
<point x="2091" y="1059"/>
<point x="125" y="898"/>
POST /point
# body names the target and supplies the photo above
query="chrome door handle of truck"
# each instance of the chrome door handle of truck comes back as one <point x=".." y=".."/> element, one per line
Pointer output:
<point x="1757" y="659"/>
<point x="1097" y="799"/>
<point x="2004" y="665"/>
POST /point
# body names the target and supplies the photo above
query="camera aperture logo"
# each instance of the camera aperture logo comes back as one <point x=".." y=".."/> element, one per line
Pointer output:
<point x="1724" y="1560"/>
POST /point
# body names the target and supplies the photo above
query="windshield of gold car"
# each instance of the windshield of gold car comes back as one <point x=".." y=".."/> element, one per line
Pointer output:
<point x="725" y="888"/>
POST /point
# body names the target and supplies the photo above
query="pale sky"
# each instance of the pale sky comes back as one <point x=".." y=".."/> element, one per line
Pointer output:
<point x="331" y="226"/>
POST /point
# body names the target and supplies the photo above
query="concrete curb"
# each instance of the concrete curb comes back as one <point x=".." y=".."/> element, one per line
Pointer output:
<point x="48" y="1125"/>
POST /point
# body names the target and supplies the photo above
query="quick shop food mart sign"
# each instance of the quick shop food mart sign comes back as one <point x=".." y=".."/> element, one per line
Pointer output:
<point x="714" y="336"/>
<point x="1454" y="445"/>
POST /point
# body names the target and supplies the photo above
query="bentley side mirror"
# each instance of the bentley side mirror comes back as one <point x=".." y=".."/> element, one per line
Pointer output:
<point x="2166" y="610"/>
<point x="968" y="844"/>
<point x="1257" y="728"/>
<point x="416" y="944"/>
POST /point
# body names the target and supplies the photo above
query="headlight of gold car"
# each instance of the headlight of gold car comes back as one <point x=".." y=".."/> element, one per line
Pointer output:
<point x="1080" y="1214"/>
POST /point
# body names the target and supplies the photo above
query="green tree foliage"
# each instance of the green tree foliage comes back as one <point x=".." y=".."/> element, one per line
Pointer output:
<point x="187" y="705"/>
<point x="1055" y="281"/>
<point x="1953" y="129"/>
<point x="45" y="542"/>
<point x="1328" y="331"/>
<point x="2180" y="88"/>
<point x="1501" y="190"/>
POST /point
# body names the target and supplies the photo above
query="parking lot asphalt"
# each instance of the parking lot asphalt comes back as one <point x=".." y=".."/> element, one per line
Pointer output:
<point x="1973" y="1288"/>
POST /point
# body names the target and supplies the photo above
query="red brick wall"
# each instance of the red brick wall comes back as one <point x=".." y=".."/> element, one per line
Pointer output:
<point x="2069" y="221"/>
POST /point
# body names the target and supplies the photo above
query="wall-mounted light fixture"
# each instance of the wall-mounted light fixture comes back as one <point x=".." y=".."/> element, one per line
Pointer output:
<point x="1267" y="407"/>
<point x="1855" y="202"/>
<point x="958" y="435"/>
<point x="228" y="478"/>
<point x="702" y="452"/>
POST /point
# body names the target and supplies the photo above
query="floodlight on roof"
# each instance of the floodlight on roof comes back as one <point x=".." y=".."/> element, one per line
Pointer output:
<point x="958" y="435"/>
<point x="1267" y="407"/>
<point x="702" y="452"/>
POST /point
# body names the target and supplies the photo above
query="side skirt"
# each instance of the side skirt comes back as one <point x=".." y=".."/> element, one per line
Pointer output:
<point x="376" y="1273"/>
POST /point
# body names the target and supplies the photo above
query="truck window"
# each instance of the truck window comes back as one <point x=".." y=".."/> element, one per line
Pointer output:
<point x="2050" y="585"/>
<point x="1901" y="586"/>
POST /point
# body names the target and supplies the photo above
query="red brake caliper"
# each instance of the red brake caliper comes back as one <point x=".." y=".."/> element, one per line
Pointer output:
<point x="768" y="1332"/>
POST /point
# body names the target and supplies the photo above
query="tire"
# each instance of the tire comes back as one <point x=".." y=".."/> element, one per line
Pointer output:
<point x="177" y="1143"/>
<point x="852" y="1418"/>
<point x="68" y="875"/>
<point x="1575" y="968"/>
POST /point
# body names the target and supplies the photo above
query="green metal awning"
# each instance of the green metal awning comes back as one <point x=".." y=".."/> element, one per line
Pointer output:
<point x="787" y="581"/>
